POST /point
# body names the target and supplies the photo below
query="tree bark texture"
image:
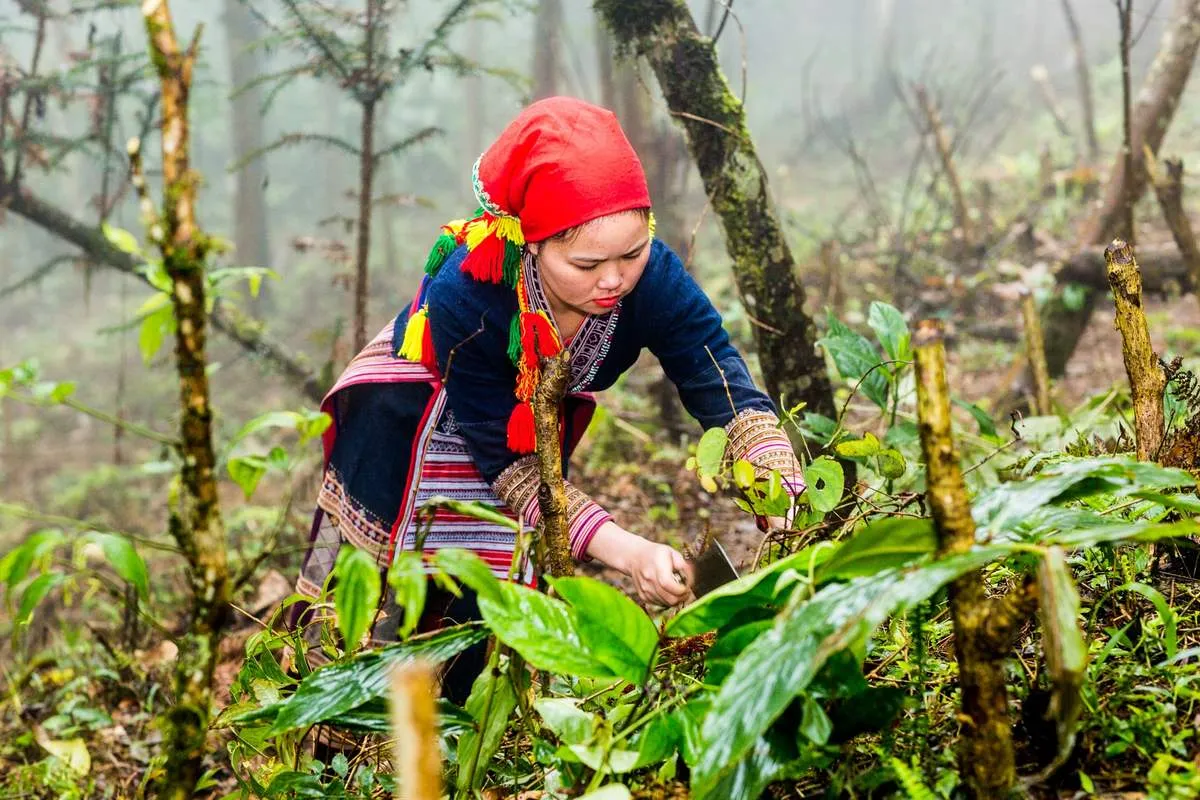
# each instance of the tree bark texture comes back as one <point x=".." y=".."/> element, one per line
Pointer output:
<point x="1168" y="187"/>
<point x="552" y="496"/>
<point x="250" y="235"/>
<point x="685" y="63"/>
<point x="1146" y="378"/>
<point x="195" y="520"/>
<point x="986" y="758"/>
<point x="1152" y="115"/>
<point x="362" y="247"/>
<point x="1083" y="75"/>
<point x="226" y="319"/>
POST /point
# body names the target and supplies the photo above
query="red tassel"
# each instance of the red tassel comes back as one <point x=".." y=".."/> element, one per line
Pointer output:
<point x="538" y="337"/>
<point x="521" y="431"/>
<point x="486" y="261"/>
<point x="428" y="356"/>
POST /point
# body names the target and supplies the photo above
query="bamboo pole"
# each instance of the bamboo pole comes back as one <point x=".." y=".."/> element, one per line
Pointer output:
<point x="554" y="541"/>
<point x="1035" y="351"/>
<point x="986" y="758"/>
<point x="416" y="747"/>
<point x="1147" y="380"/>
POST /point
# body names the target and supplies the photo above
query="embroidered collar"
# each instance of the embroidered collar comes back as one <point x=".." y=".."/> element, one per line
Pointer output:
<point x="591" y="342"/>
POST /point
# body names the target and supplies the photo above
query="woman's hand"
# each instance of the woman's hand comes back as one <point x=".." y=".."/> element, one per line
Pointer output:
<point x="661" y="576"/>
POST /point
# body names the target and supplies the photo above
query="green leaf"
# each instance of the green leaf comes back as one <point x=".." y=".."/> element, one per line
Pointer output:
<point x="125" y="561"/>
<point x="312" y="424"/>
<point x="337" y="688"/>
<point x="859" y="448"/>
<point x="492" y="694"/>
<point x="881" y="544"/>
<point x="271" y="419"/>
<point x="719" y="659"/>
<point x="156" y="326"/>
<point x="780" y="663"/>
<point x="891" y="464"/>
<point x="246" y="471"/>
<point x="1064" y="646"/>
<point x="72" y="752"/>
<point x="15" y="565"/>
<point x="121" y="239"/>
<point x="62" y="391"/>
<point x="823" y="478"/>
<point x="472" y="508"/>
<point x="891" y="329"/>
<point x="612" y="791"/>
<point x="563" y="716"/>
<point x="356" y="594"/>
<point x="35" y="593"/>
<point x="1165" y="613"/>
<point x="408" y="579"/>
<point x="296" y="785"/>
<point x="987" y="426"/>
<point x="710" y="452"/>
<point x="543" y="630"/>
<point x="855" y="357"/>
<point x="743" y="473"/>
<point x="614" y="629"/>
<point x="814" y="724"/>
<point x="469" y="568"/>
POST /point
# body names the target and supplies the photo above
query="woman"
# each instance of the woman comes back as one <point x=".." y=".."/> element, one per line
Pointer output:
<point x="561" y="254"/>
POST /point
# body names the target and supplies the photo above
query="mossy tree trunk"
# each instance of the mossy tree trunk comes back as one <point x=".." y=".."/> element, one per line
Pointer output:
<point x="553" y="546"/>
<point x="195" y="516"/>
<point x="685" y="64"/>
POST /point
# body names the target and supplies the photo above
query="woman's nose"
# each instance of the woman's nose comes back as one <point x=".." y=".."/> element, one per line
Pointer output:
<point x="610" y="278"/>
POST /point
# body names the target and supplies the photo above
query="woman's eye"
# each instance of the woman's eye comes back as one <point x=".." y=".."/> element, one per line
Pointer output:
<point x="585" y="267"/>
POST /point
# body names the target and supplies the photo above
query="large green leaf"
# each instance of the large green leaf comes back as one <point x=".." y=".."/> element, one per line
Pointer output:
<point x="710" y="452"/>
<point x="338" y="688"/>
<point x="356" y="594"/>
<point x="721" y="605"/>
<point x="125" y="561"/>
<point x="492" y="700"/>
<point x="879" y="545"/>
<point x="823" y="479"/>
<point x="781" y="662"/>
<point x="855" y="356"/>
<point x="35" y="593"/>
<point x="891" y="329"/>
<point x="15" y="565"/>
<point x="614" y="629"/>
<point x="543" y="630"/>
<point x="566" y="719"/>
<point x="470" y="569"/>
<point x="410" y="584"/>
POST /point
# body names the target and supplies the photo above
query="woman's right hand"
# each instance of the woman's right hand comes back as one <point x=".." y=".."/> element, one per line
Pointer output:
<point x="661" y="576"/>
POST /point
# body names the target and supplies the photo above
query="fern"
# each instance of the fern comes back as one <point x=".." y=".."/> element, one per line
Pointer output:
<point x="910" y="779"/>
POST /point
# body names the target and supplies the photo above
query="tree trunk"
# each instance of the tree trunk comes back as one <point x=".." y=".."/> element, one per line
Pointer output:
<point x="1169" y="188"/>
<point x="1153" y="113"/>
<point x="547" y="49"/>
<point x="1147" y="380"/>
<point x="250" y="236"/>
<point x="195" y="519"/>
<point x="686" y="66"/>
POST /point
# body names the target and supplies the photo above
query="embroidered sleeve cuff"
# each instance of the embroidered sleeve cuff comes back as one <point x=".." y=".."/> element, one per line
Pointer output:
<point x="755" y="436"/>
<point x="517" y="486"/>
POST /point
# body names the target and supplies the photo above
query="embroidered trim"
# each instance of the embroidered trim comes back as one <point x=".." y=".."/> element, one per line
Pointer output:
<point x="517" y="486"/>
<point x="591" y="343"/>
<point x="481" y="194"/>
<point x="756" y="437"/>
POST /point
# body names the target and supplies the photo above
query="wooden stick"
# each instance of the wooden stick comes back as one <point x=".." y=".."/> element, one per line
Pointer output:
<point x="1169" y="189"/>
<point x="417" y="752"/>
<point x="1146" y="378"/>
<point x="986" y="757"/>
<point x="1050" y="97"/>
<point x="1035" y="351"/>
<point x="962" y="217"/>
<point x="552" y="496"/>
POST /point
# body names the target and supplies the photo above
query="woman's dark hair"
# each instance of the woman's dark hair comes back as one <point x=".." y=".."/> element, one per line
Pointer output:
<point x="570" y="234"/>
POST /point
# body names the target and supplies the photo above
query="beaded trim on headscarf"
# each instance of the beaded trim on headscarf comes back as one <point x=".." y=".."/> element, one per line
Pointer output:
<point x="494" y="243"/>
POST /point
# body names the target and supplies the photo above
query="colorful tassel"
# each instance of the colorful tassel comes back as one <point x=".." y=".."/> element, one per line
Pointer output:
<point x="509" y="229"/>
<point x="652" y="224"/>
<point x="446" y="243"/>
<point x="485" y="261"/>
<point x="538" y="337"/>
<point x="514" y="339"/>
<point x="415" y="332"/>
<point x="512" y="263"/>
<point x="522" y="436"/>
<point x="428" y="354"/>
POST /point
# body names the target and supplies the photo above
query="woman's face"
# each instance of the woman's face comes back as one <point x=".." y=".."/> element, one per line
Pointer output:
<point x="601" y="264"/>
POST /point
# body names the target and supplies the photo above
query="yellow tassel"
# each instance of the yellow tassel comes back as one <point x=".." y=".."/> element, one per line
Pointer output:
<point x="454" y="226"/>
<point x="414" y="335"/>
<point x="477" y="231"/>
<point x="653" y="225"/>
<point x="510" y="228"/>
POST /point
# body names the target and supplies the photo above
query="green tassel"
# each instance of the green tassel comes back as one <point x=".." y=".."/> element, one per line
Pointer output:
<point x="514" y="339"/>
<point x="442" y="248"/>
<point x="512" y="264"/>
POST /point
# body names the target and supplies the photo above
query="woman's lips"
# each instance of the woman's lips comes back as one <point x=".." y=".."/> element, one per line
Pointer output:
<point x="608" y="302"/>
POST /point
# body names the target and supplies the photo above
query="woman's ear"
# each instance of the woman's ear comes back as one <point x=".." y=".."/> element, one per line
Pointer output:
<point x="534" y="248"/>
